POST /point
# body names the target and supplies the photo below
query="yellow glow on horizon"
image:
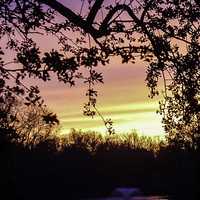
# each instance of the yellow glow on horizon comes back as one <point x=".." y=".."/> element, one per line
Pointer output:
<point x="141" y="117"/>
<point x="123" y="99"/>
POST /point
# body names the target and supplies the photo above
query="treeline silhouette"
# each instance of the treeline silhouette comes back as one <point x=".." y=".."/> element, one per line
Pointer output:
<point x="88" y="164"/>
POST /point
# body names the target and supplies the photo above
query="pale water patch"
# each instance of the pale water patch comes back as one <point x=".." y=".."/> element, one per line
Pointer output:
<point x="129" y="193"/>
<point x="135" y="198"/>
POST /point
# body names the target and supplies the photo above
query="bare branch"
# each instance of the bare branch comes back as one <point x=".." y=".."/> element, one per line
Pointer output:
<point x="71" y="16"/>
<point x="103" y="28"/>
<point x="93" y="12"/>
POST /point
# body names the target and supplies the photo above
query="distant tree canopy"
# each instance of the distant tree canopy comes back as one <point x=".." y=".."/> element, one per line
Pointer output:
<point x="162" y="33"/>
<point x="26" y="124"/>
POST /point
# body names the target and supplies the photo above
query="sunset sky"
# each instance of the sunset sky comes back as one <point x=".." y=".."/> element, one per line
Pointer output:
<point x="123" y="97"/>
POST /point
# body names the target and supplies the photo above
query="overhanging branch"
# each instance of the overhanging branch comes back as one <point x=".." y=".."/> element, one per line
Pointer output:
<point x="94" y="10"/>
<point x="71" y="16"/>
<point x="103" y="30"/>
<point x="86" y="25"/>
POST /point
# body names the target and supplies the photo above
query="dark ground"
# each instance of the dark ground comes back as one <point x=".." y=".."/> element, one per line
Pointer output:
<point x="74" y="173"/>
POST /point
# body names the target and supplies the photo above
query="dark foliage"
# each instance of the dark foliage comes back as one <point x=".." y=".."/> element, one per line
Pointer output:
<point x="151" y="30"/>
<point x="163" y="33"/>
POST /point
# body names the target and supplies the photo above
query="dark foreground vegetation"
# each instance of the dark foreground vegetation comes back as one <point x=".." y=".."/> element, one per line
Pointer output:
<point x="88" y="164"/>
<point x="164" y="34"/>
